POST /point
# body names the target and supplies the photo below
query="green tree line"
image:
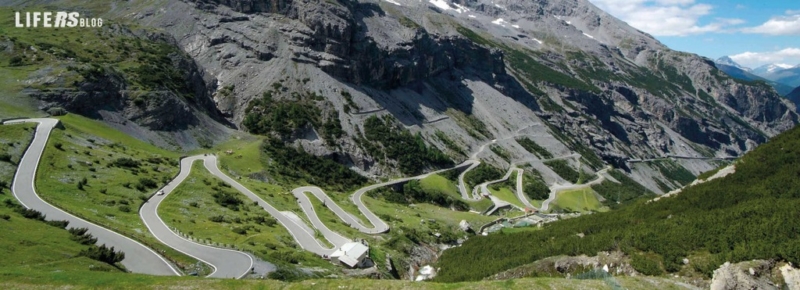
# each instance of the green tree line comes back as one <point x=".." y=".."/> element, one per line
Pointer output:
<point x="751" y="214"/>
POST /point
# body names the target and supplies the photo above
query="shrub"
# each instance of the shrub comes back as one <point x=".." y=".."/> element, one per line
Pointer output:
<point x="145" y="182"/>
<point x="125" y="162"/>
<point x="5" y="216"/>
<point x="240" y="230"/>
<point x="30" y="213"/>
<point x="227" y="200"/>
<point x="81" y="236"/>
<point x="124" y="208"/>
<point x="646" y="265"/>
<point x="217" y="219"/>
<point x="58" y="224"/>
<point x="5" y="157"/>
<point x="103" y="254"/>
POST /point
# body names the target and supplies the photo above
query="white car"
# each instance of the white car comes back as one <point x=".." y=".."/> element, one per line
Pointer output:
<point x="160" y="192"/>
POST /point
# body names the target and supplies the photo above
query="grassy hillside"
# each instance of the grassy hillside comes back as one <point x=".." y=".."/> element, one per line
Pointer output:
<point x="751" y="214"/>
<point x="577" y="200"/>
<point x="33" y="245"/>
<point x="103" y="175"/>
<point x="14" y="139"/>
<point x="99" y="280"/>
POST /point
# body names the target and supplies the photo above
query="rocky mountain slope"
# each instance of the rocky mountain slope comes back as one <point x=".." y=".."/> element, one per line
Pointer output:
<point x="462" y="72"/>
<point x="135" y="79"/>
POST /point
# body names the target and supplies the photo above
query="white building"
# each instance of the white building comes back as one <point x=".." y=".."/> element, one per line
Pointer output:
<point x="351" y="254"/>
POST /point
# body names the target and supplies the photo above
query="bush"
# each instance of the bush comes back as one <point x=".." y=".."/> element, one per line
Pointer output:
<point x="267" y="221"/>
<point x="30" y="213"/>
<point x="240" y="230"/>
<point x="58" y="224"/>
<point x="126" y="163"/>
<point x="228" y="200"/>
<point x="5" y="157"/>
<point x="81" y="236"/>
<point x="15" y="61"/>
<point x="217" y="219"/>
<point x="103" y="254"/>
<point x="5" y="217"/>
<point x="58" y="146"/>
<point x="124" y="208"/>
<point x="646" y="265"/>
<point x="147" y="183"/>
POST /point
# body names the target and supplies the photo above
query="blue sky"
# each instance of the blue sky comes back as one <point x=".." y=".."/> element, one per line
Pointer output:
<point x="752" y="32"/>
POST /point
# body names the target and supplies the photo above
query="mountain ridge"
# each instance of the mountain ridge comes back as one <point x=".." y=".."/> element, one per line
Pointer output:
<point x="475" y="70"/>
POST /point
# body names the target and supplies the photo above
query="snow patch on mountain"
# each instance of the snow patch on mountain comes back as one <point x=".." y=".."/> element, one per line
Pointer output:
<point x="500" y="21"/>
<point x="441" y="4"/>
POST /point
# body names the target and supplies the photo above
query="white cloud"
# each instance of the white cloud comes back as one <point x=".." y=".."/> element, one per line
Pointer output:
<point x="788" y="24"/>
<point x="754" y="59"/>
<point x="666" y="17"/>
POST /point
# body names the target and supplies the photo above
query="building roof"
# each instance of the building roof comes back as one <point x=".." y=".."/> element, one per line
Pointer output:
<point x="350" y="253"/>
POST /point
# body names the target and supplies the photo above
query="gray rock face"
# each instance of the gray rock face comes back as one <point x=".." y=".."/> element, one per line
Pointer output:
<point x="745" y="275"/>
<point x="167" y="117"/>
<point x="589" y="78"/>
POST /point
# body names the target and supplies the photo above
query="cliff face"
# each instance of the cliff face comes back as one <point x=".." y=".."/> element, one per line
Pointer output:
<point x="630" y="96"/>
<point x="138" y="81"/>
<point x="562" y="71"/>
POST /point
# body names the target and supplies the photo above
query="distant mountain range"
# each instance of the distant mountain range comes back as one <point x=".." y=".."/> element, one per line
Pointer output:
<point x="783" y="77"/>
<point x="770" y="68"/>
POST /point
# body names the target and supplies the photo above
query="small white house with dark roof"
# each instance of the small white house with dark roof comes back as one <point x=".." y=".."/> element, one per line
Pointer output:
<point x="351" y="254"/>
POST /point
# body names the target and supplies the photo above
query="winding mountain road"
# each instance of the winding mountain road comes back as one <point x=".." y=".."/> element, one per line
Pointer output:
<point x="138" y="258"/>
<point x="226" y="263"/>
<point x="235" y="264"/>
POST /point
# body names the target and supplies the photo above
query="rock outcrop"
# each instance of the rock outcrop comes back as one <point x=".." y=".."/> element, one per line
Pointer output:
<point x="756" y="274"/>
